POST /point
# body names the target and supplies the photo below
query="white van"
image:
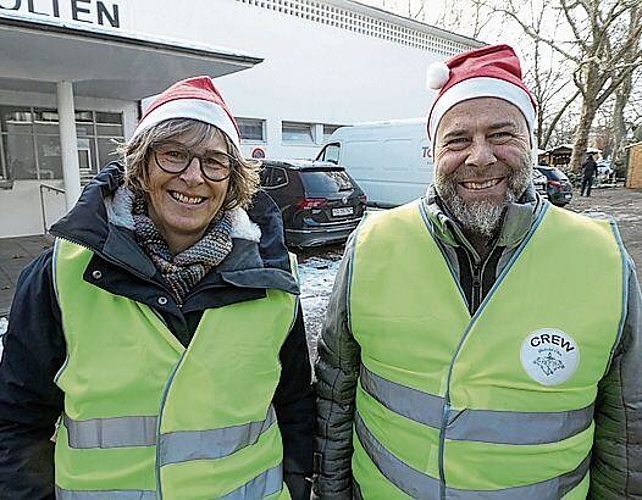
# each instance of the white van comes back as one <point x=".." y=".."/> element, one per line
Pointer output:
<point x="390" y="160"/>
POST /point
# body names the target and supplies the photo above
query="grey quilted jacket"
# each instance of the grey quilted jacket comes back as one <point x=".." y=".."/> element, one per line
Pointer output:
<point x="616" y="464"/>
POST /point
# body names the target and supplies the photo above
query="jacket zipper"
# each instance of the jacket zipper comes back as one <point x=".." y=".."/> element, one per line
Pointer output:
<point x="476" y="295"/>
<point x="477" y="270"/>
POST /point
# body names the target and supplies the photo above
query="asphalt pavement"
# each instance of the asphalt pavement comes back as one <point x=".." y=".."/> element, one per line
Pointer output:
<point x="15" y="254"/>
<point x="625" y="206"/>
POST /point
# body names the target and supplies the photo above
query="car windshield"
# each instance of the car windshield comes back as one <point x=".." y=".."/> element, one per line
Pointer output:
<point x="555" y="174"/>
<point x="325" y="181"/>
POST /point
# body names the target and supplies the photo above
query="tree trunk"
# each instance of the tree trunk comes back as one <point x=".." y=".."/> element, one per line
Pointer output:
<point x="623" y="92"/>
<point x="622" y="97"/>
<point x="580" y="141"/>
<point x="592" y="87"/>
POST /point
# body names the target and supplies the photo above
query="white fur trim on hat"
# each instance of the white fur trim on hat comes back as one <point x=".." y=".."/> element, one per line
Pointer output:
<point x="484" y="87"/>
<point x="196" y="109"/>
<point x="437" y="75"/>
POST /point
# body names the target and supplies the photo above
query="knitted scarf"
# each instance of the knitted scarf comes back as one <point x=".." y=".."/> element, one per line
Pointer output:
<point x="183" y="271"/>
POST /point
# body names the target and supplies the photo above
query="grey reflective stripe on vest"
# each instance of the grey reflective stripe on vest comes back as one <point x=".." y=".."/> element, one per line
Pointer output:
<point x="488" y="426"/>
<point x="508" y="427"/>
<point x="105" y="495"/>
<point x="409" y="480"/>
<point x="411" y="403"/>
<point x="116" y="432"/>
<point x="420" y="485"/>
<point x="210" y="444"/>
<point x="551" y="489"/>
<point x="263" y="485"/>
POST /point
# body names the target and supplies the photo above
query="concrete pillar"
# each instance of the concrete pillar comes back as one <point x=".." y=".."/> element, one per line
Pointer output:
<point x="130" y="120"/>
<point x="68" y="142"/>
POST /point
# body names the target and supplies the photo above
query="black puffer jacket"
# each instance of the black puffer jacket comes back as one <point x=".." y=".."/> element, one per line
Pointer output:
<point x="34" y="345"/>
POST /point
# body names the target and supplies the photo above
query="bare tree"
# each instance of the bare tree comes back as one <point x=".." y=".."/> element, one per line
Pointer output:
<point x="565" y="130"/>
<point x="635" y="101"/>
<point x="619" y="125"/>
<point x="601" y="134"/>
<point x="546" y="78"/>
<point x="467" y="17"/>
<point x="602" y="49"/>
<point x="626" y="115"/>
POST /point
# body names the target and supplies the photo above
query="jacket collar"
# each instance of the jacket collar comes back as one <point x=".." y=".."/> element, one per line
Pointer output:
<point x="91" y="224"/>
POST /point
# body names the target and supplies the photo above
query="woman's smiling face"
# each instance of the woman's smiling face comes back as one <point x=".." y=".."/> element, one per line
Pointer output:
<point x="182" y="205"/>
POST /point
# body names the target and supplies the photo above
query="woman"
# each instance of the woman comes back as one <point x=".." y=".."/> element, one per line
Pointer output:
<point x="162" y="332"/>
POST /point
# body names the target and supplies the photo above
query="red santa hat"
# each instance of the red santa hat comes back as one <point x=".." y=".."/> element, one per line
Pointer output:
<point x="196" y="98"/>
<point x="492" y="71"/>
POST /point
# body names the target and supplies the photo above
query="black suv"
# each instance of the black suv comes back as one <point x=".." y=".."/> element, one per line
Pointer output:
<point x="558" y="187"/>
<point x="319" y="201"/>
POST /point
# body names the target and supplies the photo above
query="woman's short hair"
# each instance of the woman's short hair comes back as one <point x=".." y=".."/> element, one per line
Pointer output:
<point x="244" y="179"/>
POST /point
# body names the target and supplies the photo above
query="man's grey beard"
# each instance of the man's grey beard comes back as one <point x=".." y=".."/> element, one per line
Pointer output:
<point x="481" y="217"/>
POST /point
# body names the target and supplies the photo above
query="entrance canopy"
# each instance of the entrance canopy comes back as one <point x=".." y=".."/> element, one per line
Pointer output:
<point x="105" y="64"/>
<point x="51" y="56"/>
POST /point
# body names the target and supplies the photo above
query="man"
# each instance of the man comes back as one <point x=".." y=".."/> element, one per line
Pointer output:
<point x="589" y="171"/>
<point x="466" y="352"/>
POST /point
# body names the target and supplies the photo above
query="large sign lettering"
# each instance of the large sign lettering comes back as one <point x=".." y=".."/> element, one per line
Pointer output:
<point x="99" y="12"/>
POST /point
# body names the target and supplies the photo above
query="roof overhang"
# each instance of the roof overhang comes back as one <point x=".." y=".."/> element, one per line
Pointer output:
<point x="107" y="64"/>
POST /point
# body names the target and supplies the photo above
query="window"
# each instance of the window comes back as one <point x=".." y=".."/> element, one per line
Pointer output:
<point x="331" y="153"/>
<point x="273" y="177"/>
<point x="18" y="152"/>
<point x="109" y="131"/>
<point x="324" y="181"/>
<point x="328" y="130"/>
<point x="252" y="129"/>
<point x="297" y="133"/>
<point x="30" y="141"/>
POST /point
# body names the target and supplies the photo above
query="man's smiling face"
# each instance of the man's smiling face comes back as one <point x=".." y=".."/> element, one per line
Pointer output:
<point x="483" y="161"/>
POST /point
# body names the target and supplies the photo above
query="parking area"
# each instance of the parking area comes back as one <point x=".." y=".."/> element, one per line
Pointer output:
<point x="625" y="206"/>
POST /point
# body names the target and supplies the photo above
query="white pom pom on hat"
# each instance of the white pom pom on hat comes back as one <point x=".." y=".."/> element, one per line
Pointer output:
<point x="490" y="71"/>
<point x="437" y="75"/>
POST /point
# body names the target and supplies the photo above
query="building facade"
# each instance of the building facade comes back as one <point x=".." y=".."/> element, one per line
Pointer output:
<point x="292" y="71"/>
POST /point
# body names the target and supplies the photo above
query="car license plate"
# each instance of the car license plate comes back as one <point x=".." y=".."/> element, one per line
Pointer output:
<point x="567" y="196"/>
<point x="338" y="212"/>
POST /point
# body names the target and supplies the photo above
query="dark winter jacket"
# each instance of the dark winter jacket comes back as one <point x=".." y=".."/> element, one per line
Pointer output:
<point x="34" y="345"/>
<point x="616" y="466"/>
<point x="589" y="168"/>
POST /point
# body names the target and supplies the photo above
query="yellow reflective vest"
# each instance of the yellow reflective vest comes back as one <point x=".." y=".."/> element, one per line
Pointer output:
<point x="497" y="406"/>
<point x="145" y="417"/>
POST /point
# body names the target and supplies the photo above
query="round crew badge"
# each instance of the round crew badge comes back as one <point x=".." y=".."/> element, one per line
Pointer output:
<point x="549" y="356"/>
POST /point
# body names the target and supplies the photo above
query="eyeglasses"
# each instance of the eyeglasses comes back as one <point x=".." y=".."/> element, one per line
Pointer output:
<point x="174" y="158"/>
